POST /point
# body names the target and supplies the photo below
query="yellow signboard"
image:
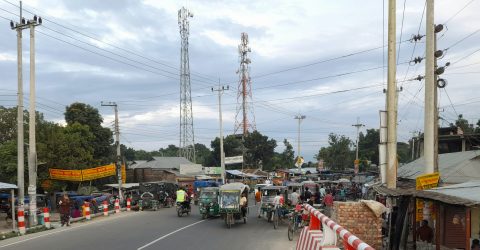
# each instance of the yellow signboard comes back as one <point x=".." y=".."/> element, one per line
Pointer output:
<point x="65" y="175"/>
<point x="98" y="172"/>
<point x="124" y="173"/>
<point x="427" y="181"/>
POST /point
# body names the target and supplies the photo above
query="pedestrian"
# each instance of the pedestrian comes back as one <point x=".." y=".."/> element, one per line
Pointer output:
<point x="475" y="244"/>
<point x="364" y="192"/>
<point x="65" y="205"/>
<point x="307" y="195"/>
<point x="328" y="202"/>
<point x="425" y="232"/>
<point x="294" y="197"/>
<point x="244" y="205"/>
<point x="323" y="192"/>
<point x="317" y="196"/>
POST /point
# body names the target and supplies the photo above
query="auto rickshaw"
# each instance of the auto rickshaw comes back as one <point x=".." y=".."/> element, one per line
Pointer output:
<point x="208" y="202"/>
<point x="229" y="201"/>
<point x="268" y="195"/>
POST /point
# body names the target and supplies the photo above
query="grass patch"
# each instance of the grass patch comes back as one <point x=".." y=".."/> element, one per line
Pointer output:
<point x="12" y="234"/>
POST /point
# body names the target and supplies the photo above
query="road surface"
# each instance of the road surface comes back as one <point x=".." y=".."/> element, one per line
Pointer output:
<point x="157" y="230"/>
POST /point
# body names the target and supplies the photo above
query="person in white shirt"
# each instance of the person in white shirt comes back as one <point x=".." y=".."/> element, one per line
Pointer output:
<point x="294" y="197"/>
<point x="323" y="192"/>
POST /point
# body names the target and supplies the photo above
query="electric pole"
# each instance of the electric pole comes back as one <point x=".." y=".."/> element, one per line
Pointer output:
<point x="19" y="27"/>
<point x="430" y="92"/>
<point x="222" y="154"/>
<point x="391" y="99"/>
<point x="358" y="126"/>
<point x="32" y="142"/>
<point x="299" y="118"/>
<point x="117" y="144"/>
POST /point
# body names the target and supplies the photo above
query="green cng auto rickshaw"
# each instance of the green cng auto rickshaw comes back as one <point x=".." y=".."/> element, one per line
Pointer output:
<point x="208" y="202"/>
<point x="229" y="201"/>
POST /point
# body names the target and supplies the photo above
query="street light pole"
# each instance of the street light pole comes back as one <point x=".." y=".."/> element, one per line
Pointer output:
<point x="222" y="154"/>
<point x="299" y="118"/>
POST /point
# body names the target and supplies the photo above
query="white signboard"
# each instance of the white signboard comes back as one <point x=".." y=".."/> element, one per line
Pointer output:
<point x="233" y="159"/>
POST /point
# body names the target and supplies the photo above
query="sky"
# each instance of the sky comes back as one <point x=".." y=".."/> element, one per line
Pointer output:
<point x="322" y="59"/>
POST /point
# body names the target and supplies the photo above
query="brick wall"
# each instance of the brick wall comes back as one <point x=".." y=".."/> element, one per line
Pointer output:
<point x="357" y="218"/>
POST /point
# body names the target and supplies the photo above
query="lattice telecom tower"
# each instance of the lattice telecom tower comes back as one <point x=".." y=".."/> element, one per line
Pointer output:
<point x="245" y="117"/>
<point x="187" y="141"/>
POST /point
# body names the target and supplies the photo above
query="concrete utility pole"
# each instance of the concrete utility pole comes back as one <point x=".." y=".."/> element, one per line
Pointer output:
<point x="222" y="154"/>
<point x="19" y="27"/>
<point x="391" y="99"/>
<point x="358" y="126"/>
<point x="32" y="142"/>
<point x="117" y="143"/>
<point x="299" y="118"/>
<point x="430" y="92"/>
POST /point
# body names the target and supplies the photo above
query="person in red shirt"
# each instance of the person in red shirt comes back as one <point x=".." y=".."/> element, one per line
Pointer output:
<point x="328" y="202"/>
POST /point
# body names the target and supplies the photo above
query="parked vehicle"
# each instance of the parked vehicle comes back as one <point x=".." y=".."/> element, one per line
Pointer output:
<point x="229" y="199"/>
<point x="197" y="185"/>
<point x="156" y="194"/>
<point x="208" y="202"/>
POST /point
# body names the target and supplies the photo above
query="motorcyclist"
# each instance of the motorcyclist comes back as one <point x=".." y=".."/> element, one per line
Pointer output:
<point x="182" y="198"/>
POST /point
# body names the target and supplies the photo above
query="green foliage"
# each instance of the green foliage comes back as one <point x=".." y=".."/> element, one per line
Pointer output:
<point x="204" y="155"/>
<point x="232" y="146"/>
<point x="368" y="146"/>
<point x="259" y="149"/>
<point x="8" y="161"/>
<point x="170" y="151"/>
<point x="288" y="155"/>
<point x="89" y="116"/>
<point x="403" y="152"/>
<point x="339" y="154"/>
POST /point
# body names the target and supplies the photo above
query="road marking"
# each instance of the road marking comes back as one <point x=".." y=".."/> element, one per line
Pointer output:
<point x="61" y="230"/>
<point x="166" y="235"/>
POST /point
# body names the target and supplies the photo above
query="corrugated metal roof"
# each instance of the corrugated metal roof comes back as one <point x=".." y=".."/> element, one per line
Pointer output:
<point x="467" y="194"/>
<point x="164" y="163"/>
<point x="4" y="185"/>
<point x="456" y="167"/>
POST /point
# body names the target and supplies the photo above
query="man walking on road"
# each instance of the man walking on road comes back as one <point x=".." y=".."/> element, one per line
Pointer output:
<point x="294" y="196"/>
<point x="328" y="202"/>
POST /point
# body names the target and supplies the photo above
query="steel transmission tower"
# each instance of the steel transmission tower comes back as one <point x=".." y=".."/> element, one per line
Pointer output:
<point x="187" y="142"/>
<point x="245" y="117"/>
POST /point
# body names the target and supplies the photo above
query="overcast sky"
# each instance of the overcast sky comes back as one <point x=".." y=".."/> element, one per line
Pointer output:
<point x="129" y="52"/>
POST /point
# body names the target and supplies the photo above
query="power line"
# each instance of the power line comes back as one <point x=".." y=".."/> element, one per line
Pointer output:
<point x="458" y="12"/>
<point x="401" y="30"/>
<point x="109" y="43"/>
<point x="415" y="44"/>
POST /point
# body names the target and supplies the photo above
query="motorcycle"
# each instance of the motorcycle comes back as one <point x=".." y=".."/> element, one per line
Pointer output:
<point x="183" y="208"/>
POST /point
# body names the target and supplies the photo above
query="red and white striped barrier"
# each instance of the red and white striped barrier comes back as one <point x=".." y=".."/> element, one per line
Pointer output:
<point x="117" y="206"/>
<point x="86" y="206"/>
<point x="21" y="220"/>
<point x="105" y="208"/>
<point x="310" y="239"/>
<point x="129" y="201"/>
<point x="46" y="217"/>
<point x="331" y="230"/>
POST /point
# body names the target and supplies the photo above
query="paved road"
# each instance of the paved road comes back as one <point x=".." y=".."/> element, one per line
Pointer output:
<point x="157" y="230"/>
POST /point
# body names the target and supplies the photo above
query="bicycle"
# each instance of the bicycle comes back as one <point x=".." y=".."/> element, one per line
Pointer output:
<point x="294" y="224"/>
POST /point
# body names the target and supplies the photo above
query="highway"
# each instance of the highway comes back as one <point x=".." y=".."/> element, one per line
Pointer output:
<point x="161" y="229"/>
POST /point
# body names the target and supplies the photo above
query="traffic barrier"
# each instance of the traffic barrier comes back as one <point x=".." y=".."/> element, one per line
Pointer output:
<point x="46" y="217"/>
<point x="86" y="206"/>
<point x="117" y="206"/>
<point x="128" y="204"/>
<point x="310" y="239"/>
<point x="21" y="220"/>
<point x="105" y="208"/>
<point x="330" y="231"/>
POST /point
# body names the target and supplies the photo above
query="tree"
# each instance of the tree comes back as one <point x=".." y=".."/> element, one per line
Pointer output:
<point x="232" y="146"/>
<point x="204" y="155"/>
<point x="259" y="149"/>
<point x="403" y="152"/>
<point x="338" y="155"/>
<point x="368" y="145"/>
<point x="170" y="151"/>
<point x="463" y="124"/>
<point x="89" y="116"/>
<point x="288" y="155"/>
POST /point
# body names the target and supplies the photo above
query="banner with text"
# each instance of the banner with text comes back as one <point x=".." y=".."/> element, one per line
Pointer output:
<point x="98" y="172"/>
<point x="65" y="175"/>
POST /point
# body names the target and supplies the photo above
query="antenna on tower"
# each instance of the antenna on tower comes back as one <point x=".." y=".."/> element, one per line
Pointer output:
<point x="187" y="141"/>
<point x="245" y="117"/>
